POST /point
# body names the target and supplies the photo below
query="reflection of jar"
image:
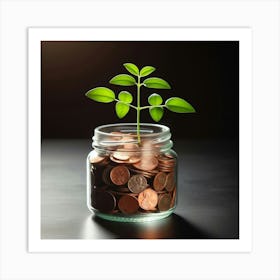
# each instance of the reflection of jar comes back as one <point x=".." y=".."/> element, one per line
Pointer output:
<point x="128" y="181"/>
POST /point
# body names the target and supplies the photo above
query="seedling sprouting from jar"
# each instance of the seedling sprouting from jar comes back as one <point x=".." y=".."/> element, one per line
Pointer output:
<point x="124" y="98"/>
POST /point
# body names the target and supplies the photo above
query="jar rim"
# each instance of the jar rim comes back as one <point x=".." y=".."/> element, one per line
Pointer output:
<point x="147" y="131"/>
<point x="156" y="135"/>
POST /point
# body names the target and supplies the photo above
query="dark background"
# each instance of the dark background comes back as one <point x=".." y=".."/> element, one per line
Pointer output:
<point x="207" y="142"/>
<point x="204" y="73"/>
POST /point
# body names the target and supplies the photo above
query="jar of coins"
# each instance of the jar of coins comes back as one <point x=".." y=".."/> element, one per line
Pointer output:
<point x="131" y="179"/>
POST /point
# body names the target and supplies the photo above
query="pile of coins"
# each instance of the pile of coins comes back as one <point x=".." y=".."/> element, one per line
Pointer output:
<point x="132" y="183"/>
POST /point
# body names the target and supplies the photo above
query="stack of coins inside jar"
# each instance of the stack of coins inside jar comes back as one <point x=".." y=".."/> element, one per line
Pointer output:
<point x="132" y="179"/>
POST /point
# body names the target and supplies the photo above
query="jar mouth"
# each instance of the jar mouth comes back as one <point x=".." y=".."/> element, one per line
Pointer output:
<point x="146" y="129"/>
<point x="111" y="135"/>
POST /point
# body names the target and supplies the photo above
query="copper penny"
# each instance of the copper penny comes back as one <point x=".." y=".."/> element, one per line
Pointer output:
<point x="119" y="194"/>
<point x="137" y="183"/>
<point x="129" y="160"/>
<point x="104" y="201"/>
<point x="95" y="158"/>
<point x="120" y="155"/>
<point x="148" y="174"/>
<point x="162" y="192"/>
<point x="167" y="158"/>
<point x="159" y="181"/>
<point x="164" y="202"/>
<point x="119" y="175"/>
<point x="128" y="204"/>
<point x="147" y="163"/>
<point x="112" y="158"/>
<point x="134" y="159"/>
<point x="170" y="181"/>
<point x="131" y="147"/>
<point x="166" y="163"/>
<point x="169" y="155"/>
<point x="148" y="199"/>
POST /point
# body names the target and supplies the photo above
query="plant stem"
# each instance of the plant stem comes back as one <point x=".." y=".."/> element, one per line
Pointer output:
<point x="138" y="110"/>
<point x="130" y="105"/>
<point x="148" y="107"/>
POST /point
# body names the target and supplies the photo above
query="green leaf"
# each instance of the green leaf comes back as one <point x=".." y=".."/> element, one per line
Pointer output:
<point x="155" y="99"/>
<point x="147" y="70"/>
<point x="101" y="94"/>
<point x="125" y="96"/>
<point x="131" y="68"/>
<point x="123" y="80"/>
<point x="121" y="109"/>
<point x="156" y="83"/>
<point x="156" y="113"/>
<point x="179" y="105"/>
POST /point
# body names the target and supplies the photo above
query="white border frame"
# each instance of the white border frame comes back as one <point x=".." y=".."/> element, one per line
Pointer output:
<point x="262" y="263"/>
<point x="243" y="35"/>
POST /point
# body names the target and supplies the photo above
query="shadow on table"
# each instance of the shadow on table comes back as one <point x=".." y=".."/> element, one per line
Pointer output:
<point x="171" y="227"/>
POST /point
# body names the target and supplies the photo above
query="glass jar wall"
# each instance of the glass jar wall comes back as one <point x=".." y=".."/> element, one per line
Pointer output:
<point x="128" y="180"/>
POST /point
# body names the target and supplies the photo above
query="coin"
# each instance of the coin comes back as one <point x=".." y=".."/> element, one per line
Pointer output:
<point x="131" y="147"/>
<point x="130" y="160"/>
<point x="148" y="199"/>
<point x="128" y="204"/>
<point x="147" y="174"/>
<point x="165" y="168"/>
<point x="119" y="175"/>
<point x="103" y="200"/>
<point x="170" y="181"/>
<point x="169" y="155"/>
<point x="166" y="163"/>
<point x="137" y="183"/>
<point x="159" y="181"/>
<point x="147" y="163"/>
<point x="134" y="159"/>
<point x="119" y="194"/>
<point x="162" y="192"/>
<point x="164" y="202"/>
<point x="120" y="155"/>
<point x="95" y="158"/>
<point x="112" y="158"/>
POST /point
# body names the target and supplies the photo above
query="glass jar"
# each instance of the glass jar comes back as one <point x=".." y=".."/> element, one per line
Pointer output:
<point x="128" y="180"/>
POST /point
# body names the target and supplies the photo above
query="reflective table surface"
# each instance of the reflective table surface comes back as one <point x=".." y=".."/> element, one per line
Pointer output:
<point x="208" y="194"/>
